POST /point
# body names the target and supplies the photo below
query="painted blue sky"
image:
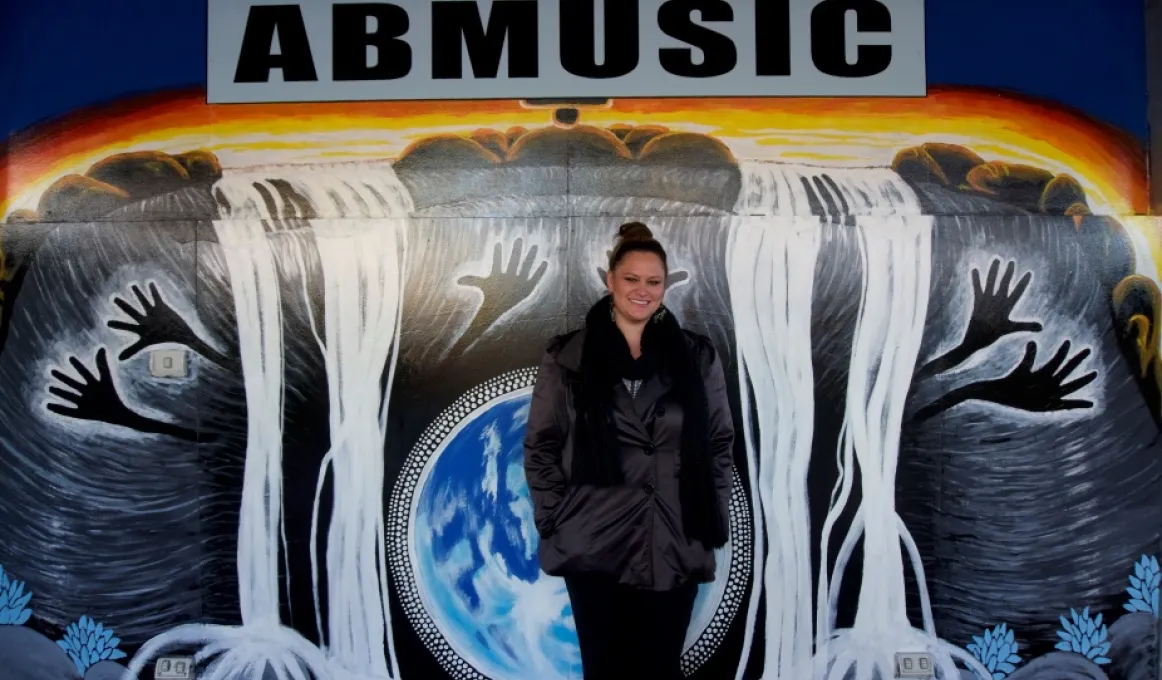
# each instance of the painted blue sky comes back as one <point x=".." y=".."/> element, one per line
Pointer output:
<point x="1087" y="54"/>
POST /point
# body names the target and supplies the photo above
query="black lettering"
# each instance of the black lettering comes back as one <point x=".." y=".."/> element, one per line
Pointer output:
<point x="256" y="58"/>
<point x="579" y="38"/>
<point x="829" y="38"/>
<point x="772" y="23"/>
<point x="351" y="37"/>
<point x="719" y="55"/>
<point x="459" y="23"/>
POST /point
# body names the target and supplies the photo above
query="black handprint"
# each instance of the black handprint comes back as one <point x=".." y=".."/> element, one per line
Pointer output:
<point x="90" y="397"/>
<point x="158" y="323"/>
<point x="503" y="289"/>
<point x="673" y="279"/>
<point x="992" y="306"/>
<point x="1042" y="390"/>
<point x="1046" y="389"/>
<point x="95" y="397"/>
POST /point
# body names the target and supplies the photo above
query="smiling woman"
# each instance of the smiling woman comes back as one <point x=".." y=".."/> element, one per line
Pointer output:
<point x="629" y="458"/>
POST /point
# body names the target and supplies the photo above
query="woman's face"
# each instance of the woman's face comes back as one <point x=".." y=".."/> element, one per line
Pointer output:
<point x="637" y="285"/>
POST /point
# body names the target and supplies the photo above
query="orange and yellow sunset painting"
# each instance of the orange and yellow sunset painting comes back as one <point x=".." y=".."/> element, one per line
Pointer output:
<point x="833" y="132"/>
<point x="994" y="127"/>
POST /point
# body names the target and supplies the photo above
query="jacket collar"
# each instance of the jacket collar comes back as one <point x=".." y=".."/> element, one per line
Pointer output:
<point x="569" y="355"/>
<point x="653" y="389"/>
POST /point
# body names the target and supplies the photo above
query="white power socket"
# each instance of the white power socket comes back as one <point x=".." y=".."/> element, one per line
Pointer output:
<point x="168" y="363"/>
<point x="915" y="665"/>
<point x="174" y="668"/>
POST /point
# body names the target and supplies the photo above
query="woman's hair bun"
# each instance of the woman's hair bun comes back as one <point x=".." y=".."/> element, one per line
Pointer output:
<point x="634" y="231"/>
<point x="632" y="237"/>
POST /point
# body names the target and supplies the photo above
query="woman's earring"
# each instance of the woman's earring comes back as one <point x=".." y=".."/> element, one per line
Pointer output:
<point x="612" y="311"/>
<point x="659" y="315"/>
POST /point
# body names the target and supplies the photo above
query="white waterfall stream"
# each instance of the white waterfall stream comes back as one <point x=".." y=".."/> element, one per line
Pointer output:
<point x="771" y="271"/>
<point x="363" y="272"/>
<point x="773" y="253"/>
<point x="358" y="224"/>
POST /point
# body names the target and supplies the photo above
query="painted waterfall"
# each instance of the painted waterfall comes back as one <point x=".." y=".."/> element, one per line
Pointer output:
<point x="362" y="261"/>
<point x="356" y="220"/>
<point x="772" y="268"/>
<point x="783" y="213"/>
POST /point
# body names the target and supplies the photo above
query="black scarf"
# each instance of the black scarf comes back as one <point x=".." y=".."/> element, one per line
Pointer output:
<point x="606" y="360"/>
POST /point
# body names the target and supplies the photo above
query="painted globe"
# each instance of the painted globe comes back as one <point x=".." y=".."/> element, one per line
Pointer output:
<point x="475" y="553"/>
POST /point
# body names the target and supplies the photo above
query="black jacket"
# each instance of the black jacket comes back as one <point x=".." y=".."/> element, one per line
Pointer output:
<point x="631" y="532"/>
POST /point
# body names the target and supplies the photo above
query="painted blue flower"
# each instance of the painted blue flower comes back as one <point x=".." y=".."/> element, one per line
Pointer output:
<point x="996" y="650"/>
<point x="1084" y="635"/>
<point x="87" y="642"/>
<point x="1144" y="584"/>
<point x="14" y="609"/>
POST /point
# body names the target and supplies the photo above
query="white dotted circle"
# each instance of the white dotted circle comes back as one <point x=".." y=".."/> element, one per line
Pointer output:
<point x="399" y="520"/>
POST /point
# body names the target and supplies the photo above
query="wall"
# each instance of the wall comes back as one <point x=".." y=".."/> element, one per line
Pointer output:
<point x="938" y="316"/>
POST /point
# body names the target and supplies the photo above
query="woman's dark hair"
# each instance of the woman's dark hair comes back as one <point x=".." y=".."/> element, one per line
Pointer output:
<point x="636" y="237"/>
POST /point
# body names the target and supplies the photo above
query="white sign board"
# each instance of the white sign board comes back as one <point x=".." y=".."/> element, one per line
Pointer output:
<point x="325" y="50"/>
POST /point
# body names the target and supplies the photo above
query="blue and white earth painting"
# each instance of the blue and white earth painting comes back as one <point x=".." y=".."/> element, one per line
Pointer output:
<point x="474" y="552"/>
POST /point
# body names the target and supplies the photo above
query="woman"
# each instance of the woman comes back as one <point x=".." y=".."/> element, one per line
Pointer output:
<point x="629" y="455"/>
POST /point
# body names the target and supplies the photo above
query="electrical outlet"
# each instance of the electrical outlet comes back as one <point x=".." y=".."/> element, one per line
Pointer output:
<point x="915" y="665"/>
<point x="168" y="363"/>
<point x="174" y="668"/>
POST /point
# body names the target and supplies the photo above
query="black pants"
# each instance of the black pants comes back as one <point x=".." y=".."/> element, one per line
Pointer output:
<point x="628" y="633"/>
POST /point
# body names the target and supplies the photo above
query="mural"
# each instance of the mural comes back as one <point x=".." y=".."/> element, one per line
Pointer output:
<point x="938" y="317"/>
